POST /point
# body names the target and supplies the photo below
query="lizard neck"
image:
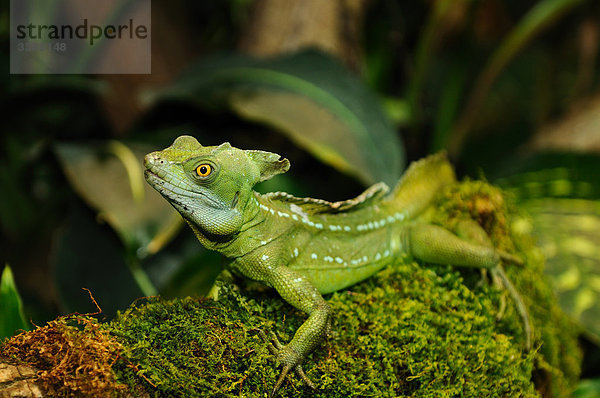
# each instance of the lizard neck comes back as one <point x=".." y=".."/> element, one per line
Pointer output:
<point x="235" y="244"/>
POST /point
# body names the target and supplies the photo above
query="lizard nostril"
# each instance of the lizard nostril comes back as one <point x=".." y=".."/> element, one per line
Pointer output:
<point x="152" y="159"/>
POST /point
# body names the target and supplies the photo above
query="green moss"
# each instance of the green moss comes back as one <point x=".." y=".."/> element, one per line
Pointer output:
<point x="190" y="347"/>
<point x="412" y="330"/>
<point x="558" y="357"/>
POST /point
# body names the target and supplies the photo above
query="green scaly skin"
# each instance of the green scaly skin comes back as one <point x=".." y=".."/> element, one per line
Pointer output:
<point x="305" y="247"/>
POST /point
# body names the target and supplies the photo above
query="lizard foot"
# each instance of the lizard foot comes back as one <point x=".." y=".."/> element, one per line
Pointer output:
<point x="509" y="258"/>
<point x="287" y="357"/>
<point x="499" y="275"/>
<point x="497" y="283"/>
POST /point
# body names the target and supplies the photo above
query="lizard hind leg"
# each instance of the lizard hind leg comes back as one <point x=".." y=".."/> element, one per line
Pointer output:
<point x="435" y="244"/>
<point x="471" y="231"/>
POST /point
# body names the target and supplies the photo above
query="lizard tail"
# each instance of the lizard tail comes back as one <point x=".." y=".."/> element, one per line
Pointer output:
<point x="421" y="182"/>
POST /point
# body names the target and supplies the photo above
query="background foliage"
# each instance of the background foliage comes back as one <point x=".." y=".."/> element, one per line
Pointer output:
<point x="509" y="88"/>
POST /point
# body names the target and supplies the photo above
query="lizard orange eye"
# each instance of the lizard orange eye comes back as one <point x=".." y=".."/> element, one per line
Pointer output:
<point x="204" y="170"/>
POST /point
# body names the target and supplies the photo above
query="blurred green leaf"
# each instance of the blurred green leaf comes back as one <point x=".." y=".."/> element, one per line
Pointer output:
<point x="541" y="16"/>
<point x="588" y="389"/>
<point x="308" y="96"/>
<point x="433" y="28"/>
<point x="11" y="307"/>
<point x="569" y="236"/>
<point x="109" y="177"/>
<point x="397" y="109"/>
<point x="564" y="206"/>
<point x="42" y="13"/>
<point x="450" y="99"/>
<point x="88" y="254"/>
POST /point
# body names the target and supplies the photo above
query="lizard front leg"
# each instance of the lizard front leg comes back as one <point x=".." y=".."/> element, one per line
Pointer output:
<point x="297" y="290"/>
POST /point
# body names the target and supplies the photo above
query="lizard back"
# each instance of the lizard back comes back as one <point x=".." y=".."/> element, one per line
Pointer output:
<point x="337" y="244"/>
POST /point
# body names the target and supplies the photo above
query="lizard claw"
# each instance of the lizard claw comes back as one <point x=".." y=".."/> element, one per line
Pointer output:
<point x="520" y="305"/>
<point x="284" y="373"/>
<point x="279" y="350"/>
<point x="280" y="380"/>
<point x="273" y="343"/>
<point x="303" y="376"/>
<point x="509" y="258"/>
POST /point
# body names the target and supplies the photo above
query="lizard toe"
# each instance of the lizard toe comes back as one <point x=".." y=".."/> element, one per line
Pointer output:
<point x="302" y="375"/>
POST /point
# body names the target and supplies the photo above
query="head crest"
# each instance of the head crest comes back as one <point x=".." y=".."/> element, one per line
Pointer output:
<point x="186" y="142"/>
<point x="269" y="164"/>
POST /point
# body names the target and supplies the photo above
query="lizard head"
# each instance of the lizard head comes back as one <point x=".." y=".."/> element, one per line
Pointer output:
<point x="210" y="185"/>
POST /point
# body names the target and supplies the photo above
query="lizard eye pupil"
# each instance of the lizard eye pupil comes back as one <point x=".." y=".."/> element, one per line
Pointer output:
<point x="203" y="170"/>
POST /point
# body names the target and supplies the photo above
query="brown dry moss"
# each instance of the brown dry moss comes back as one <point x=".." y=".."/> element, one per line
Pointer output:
<point x="74" y="356"/>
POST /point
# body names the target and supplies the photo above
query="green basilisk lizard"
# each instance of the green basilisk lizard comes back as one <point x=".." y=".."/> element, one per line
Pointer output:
<point x="306" y="247"/>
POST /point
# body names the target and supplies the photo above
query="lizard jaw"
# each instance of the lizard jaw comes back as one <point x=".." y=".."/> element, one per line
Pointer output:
<point x="219" y="220"/>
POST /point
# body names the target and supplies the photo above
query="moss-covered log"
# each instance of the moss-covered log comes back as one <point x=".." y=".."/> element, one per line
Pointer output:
<point x="412" y="330"/>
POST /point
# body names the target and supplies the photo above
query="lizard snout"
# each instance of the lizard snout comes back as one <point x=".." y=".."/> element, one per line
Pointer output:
<point x="152" y="159"/>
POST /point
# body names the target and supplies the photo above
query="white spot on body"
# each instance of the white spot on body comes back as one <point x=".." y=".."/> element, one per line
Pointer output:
<point x="313" y="256"/>
<point x="339" y="260"/>
<point x="298" y="210"/>
<point x="399" y="216"/>
<point x="264" y="257"/>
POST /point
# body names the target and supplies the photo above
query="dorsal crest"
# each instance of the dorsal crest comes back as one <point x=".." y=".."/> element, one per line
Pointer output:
<point x="311" y="206"/>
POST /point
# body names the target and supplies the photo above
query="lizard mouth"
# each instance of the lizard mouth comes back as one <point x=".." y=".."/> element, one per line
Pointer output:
<point x="153" y="179"/>
<point x="175" y="193"/>
<point x="150" y="176"/>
